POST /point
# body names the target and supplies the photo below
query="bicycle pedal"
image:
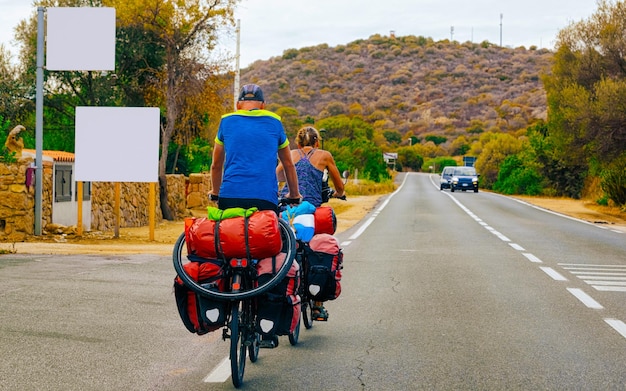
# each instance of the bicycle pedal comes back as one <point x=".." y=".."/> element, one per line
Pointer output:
<point x="267" y="344"/>
<point x="321" y="319"/>
<point x="270" y="343"/>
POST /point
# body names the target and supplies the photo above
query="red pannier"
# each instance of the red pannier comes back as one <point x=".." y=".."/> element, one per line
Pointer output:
<point x="254" y="237"/>
<point x="279" y="308"/>
<point x="324" y="261"/>
<point x="200" y="314"/>
<point x="325" y="220"/>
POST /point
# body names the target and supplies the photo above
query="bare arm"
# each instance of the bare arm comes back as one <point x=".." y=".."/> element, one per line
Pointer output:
<point x="289" y="170"/>
<point x="217" y="167"/>
<point x="335" y="176"/>
<point x="280" y="171"/>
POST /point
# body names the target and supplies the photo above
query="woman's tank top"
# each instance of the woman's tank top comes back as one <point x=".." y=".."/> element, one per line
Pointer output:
<point x="309" y="179"/>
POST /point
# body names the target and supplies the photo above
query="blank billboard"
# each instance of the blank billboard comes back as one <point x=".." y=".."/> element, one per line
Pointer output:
<point x="80" y="39"/>
<point x="117" y="144"/>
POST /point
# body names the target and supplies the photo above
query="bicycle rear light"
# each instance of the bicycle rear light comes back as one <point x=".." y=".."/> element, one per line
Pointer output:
<point x="238" y="262"/>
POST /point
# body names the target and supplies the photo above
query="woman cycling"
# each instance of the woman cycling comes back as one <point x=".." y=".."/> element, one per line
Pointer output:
<point x="311" y="162"/>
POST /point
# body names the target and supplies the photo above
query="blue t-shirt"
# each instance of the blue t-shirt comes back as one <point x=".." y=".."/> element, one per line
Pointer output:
<point x="251" y="140"/>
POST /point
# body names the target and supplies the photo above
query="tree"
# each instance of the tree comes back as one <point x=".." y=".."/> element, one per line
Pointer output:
<point x="392" y="136"/>
<point x="409" y="158"/>
<point x="186" y="32"/>
<point x="586" y="91"/>
<point x="493" y="154"/>
<point x="291" y="121"/>
<point x="12" y="92"/>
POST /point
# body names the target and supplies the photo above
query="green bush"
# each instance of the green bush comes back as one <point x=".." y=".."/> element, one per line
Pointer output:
<point x="613" y="180"/>
<point x="604" y="200"/>
<point x="6" y="156"/>
<point x="515" y="178"/>
<point x="438" y="164"/>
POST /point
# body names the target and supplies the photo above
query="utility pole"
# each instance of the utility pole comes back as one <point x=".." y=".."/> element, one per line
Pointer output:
<point x="500" y="30"/>
<point x="451" y="33"/>
<point x="236" y="87"/>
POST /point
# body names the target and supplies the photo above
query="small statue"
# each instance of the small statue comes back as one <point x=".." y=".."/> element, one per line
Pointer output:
<point x="14" y="142"/>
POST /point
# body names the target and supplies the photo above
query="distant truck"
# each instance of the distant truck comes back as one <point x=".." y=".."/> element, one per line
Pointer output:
<point x="469" y="161"/>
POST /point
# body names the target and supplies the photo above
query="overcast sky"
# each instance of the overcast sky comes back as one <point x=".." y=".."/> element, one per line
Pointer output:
<point x="268" y="27"/>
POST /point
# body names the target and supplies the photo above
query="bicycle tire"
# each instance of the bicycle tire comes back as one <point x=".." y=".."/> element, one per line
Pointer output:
<point x="253" y="338"/>
<point x="289" y="246"/>
<point x="253" y="349"/>
<point x="237" y="346"/>
<point x="307" y="313"/>
<point x="293" y="337"/>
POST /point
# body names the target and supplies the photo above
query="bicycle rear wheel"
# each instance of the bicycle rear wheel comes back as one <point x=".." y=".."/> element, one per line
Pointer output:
<point x="289" y="248"/>
<point x="307" y="313"/>
<point x="253" y="349"/>
<point x="237" y="345"/>
<point x="293" y="337"/>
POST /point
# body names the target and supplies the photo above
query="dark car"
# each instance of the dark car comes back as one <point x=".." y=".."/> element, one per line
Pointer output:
<point x="446" y="177"/>
<point x="464" y="178"/>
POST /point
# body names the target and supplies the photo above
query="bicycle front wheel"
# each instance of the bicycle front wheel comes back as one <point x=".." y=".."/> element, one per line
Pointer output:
<point x="237" y="345"/>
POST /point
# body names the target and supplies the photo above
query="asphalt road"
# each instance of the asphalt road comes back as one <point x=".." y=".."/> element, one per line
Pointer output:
<point x="441" y="291"/>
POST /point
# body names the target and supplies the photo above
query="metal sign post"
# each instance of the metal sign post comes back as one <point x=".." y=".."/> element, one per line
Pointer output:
<point x="39" y="122"/>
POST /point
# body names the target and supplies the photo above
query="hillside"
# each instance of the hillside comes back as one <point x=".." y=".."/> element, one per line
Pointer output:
<point x="410" y="84"/>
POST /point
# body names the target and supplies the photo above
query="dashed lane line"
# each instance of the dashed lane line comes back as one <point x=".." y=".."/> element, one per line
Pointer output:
<point x="556" y="276"/>
<point x="618" y="325"/>
<point x="587" y="300"/>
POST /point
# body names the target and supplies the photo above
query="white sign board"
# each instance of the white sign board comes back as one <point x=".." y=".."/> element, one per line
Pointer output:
<point x="117" y="144"/>
<point x="80" y="39"/>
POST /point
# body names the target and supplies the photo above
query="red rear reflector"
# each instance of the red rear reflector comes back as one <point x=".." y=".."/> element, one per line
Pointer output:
<point x="235" y="262"/>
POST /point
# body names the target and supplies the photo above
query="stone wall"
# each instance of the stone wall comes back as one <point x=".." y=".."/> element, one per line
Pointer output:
<point x="134" y="200"/>
<point x="197" y="190"/>
<point x="134" y="203"/>
<point x="17" y="201"/>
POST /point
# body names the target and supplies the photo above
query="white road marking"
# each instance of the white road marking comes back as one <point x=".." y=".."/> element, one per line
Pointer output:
<point x="553" y="273"/>
<point x="609" y="282"/>
<point x="532" y="258"/>
<point x="576" y="265"/>
<point x="220" y="373"/>
<point x="361" y="229"/>
<point x="604" y="278"/>
<point x="380" y="208"/>
<point x="618" y="325"/>
<point x="501" y="236"/>
<point x="516" y="246"/>
<point x="615" y="283"/>
<point x="602" y="269"/>
<point x="598" y="273"/>
<point x="610" y="288"/>
<point x="585" y="298"/>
